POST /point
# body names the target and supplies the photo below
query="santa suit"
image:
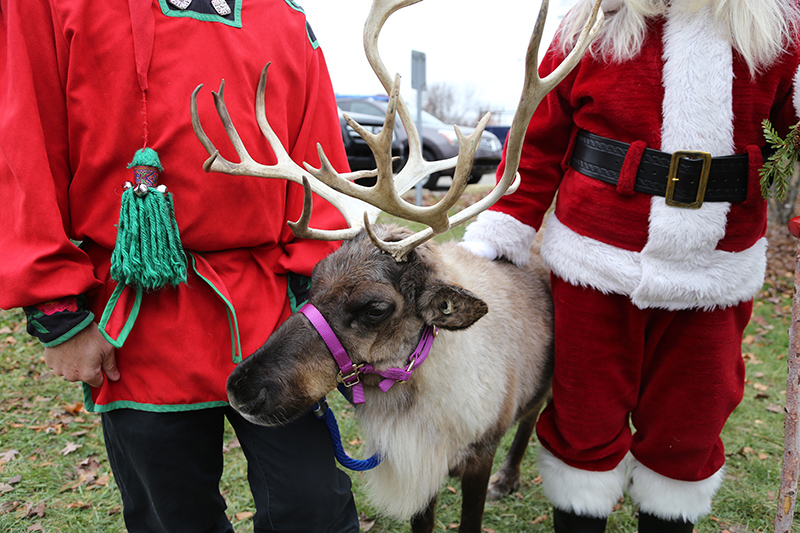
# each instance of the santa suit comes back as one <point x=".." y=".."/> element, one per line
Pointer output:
<point x="650" y="300"/>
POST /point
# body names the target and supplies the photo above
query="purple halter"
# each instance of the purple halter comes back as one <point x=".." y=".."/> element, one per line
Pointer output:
<point x="350" y="373"/>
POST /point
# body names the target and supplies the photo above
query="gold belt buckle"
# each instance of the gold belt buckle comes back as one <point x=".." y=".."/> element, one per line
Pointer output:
<point x="673" y="177"/>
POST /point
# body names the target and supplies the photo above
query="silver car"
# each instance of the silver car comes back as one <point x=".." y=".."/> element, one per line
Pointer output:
<point x="438" y="138"/>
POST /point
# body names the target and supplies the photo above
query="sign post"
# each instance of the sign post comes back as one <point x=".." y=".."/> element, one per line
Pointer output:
<point x="418" y="82"/>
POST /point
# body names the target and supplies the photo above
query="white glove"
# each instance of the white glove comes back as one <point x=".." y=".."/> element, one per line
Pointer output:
<point x="480" y="248"/>
<point x="495" y="234"/>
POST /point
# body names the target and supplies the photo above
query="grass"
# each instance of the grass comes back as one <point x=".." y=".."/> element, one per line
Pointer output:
<point x="55" y="477"/>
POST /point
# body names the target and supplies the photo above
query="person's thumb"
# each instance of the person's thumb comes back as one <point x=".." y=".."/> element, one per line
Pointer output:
<point x="110" y="364"/>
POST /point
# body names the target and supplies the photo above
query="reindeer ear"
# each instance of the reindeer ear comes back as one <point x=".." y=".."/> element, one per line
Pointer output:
<point x="451" y="307"/>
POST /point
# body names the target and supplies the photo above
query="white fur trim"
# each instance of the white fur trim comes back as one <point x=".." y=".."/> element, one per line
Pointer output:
<point x="587" y="262"/>
<point x="796" y="98"/>
<point x="480" y="248"/>
<point x="509" y="237"/>
<point x="705" y="278"/>
<point x="698" y="84"/>
<point x="579" y="491"/>
<point x="671" y="499"/>
<point x="695" y="273"/>
<point x="698" y="115"/>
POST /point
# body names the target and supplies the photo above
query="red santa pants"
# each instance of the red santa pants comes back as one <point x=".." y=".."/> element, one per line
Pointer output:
<point x="675" y="376"/>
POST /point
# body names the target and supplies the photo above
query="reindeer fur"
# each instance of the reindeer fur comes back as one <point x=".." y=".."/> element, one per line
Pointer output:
<point x="489" y="366"/>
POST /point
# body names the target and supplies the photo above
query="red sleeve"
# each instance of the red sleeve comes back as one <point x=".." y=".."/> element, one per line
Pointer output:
<point x="39" y="262"/>
<point x="543" y="151"/>
<point x="320" y="125"/>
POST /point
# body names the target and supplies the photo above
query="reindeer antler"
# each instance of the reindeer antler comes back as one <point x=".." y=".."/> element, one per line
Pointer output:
<point x="357" y="202"/>
<point x="533" y="92"/>
<point x="351" y="208"/>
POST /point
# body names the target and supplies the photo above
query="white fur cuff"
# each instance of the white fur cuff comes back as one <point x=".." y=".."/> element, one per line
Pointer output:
<point x="480" y="248"/>
<point x="671" y="499"/>
<point x="509" y="237"/>
<point x="579" y="491"/>
<point x="796" y="98"/>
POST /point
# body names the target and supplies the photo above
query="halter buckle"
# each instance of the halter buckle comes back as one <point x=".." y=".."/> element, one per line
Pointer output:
<point x="351" y="379"/>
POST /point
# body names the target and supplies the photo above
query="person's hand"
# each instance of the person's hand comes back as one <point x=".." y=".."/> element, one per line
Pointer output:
<point x="84" y="357"/>
<point x="480" y="248"/>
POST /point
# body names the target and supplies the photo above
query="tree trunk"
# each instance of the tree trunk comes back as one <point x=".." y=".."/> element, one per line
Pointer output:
<point x="787" y="496"/>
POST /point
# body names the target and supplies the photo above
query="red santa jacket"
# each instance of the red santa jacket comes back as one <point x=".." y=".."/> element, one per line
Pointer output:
<point x="71" y="122"/>
<point x="686" y="90"/>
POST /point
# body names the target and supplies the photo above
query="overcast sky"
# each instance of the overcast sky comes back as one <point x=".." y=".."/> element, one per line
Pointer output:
<point x="474" y="45"/>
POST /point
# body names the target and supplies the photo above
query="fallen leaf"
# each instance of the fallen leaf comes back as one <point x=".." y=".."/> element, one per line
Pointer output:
<point x="760" y="386"/>
<point x="751" y="358"/>
<point x="73" y="408"/>
<point x="79" y="505"/>
<point x="763" y="456"/>
<point x="772" y="408"/>
<point x="244" y="515"/>
<point x="7" y="457"/>
<point x="452" y="489"/>
<point x="366" y="523"/>
<point x="32" y="510"/>
<point x="748" y="339"/>
<point x="7" y="507"/>
<point x="5" y="487"/>
<point x="36" y="527"/>
<point x="14" y="480"/>
<point x="70" y="447"/>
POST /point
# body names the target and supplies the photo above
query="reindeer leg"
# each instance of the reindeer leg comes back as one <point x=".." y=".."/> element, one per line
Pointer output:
<point x="423" y="521"/>
<point x="474" y="481"/>
<point x="506" y="479"/>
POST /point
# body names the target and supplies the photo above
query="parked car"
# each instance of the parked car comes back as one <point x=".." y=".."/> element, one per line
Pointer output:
<point x="438" y="138"/>
<point x="359" y="155"/>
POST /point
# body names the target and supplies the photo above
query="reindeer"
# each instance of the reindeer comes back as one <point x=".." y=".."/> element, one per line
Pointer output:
<point x="387" y="292"/>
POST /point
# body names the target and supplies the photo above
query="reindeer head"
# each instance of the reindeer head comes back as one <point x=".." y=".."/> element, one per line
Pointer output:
<point x="376" y="294"/>
<point x="376" y="306"/>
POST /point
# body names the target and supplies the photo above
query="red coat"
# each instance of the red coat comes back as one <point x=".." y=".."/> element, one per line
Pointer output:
<point x="686" y="90"/>
<point x="70" y="124"/>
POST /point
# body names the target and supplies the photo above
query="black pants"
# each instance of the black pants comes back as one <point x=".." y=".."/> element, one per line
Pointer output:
<point x="168" y="467"/>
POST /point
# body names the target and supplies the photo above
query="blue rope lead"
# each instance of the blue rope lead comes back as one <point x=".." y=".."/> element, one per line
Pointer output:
<point x="321" y="410"/>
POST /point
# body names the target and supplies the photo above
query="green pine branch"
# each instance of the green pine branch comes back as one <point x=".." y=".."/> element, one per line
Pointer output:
<point x="779" y="166"/>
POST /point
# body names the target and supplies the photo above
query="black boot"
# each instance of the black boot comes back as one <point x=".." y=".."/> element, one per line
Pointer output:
<point x="567" y="522"/>
<point x="652" y="524"/>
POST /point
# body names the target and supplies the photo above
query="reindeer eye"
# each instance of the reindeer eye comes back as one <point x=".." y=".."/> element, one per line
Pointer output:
<point x="377" y="311"/>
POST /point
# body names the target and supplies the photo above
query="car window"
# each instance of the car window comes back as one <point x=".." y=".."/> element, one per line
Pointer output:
<point x="366" y="108"/>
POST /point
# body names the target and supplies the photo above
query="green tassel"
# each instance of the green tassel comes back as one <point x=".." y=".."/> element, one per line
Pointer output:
<point x="148" y="253"/>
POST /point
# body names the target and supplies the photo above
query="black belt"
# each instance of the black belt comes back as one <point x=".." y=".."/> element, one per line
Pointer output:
<point x="725" y="177"/>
